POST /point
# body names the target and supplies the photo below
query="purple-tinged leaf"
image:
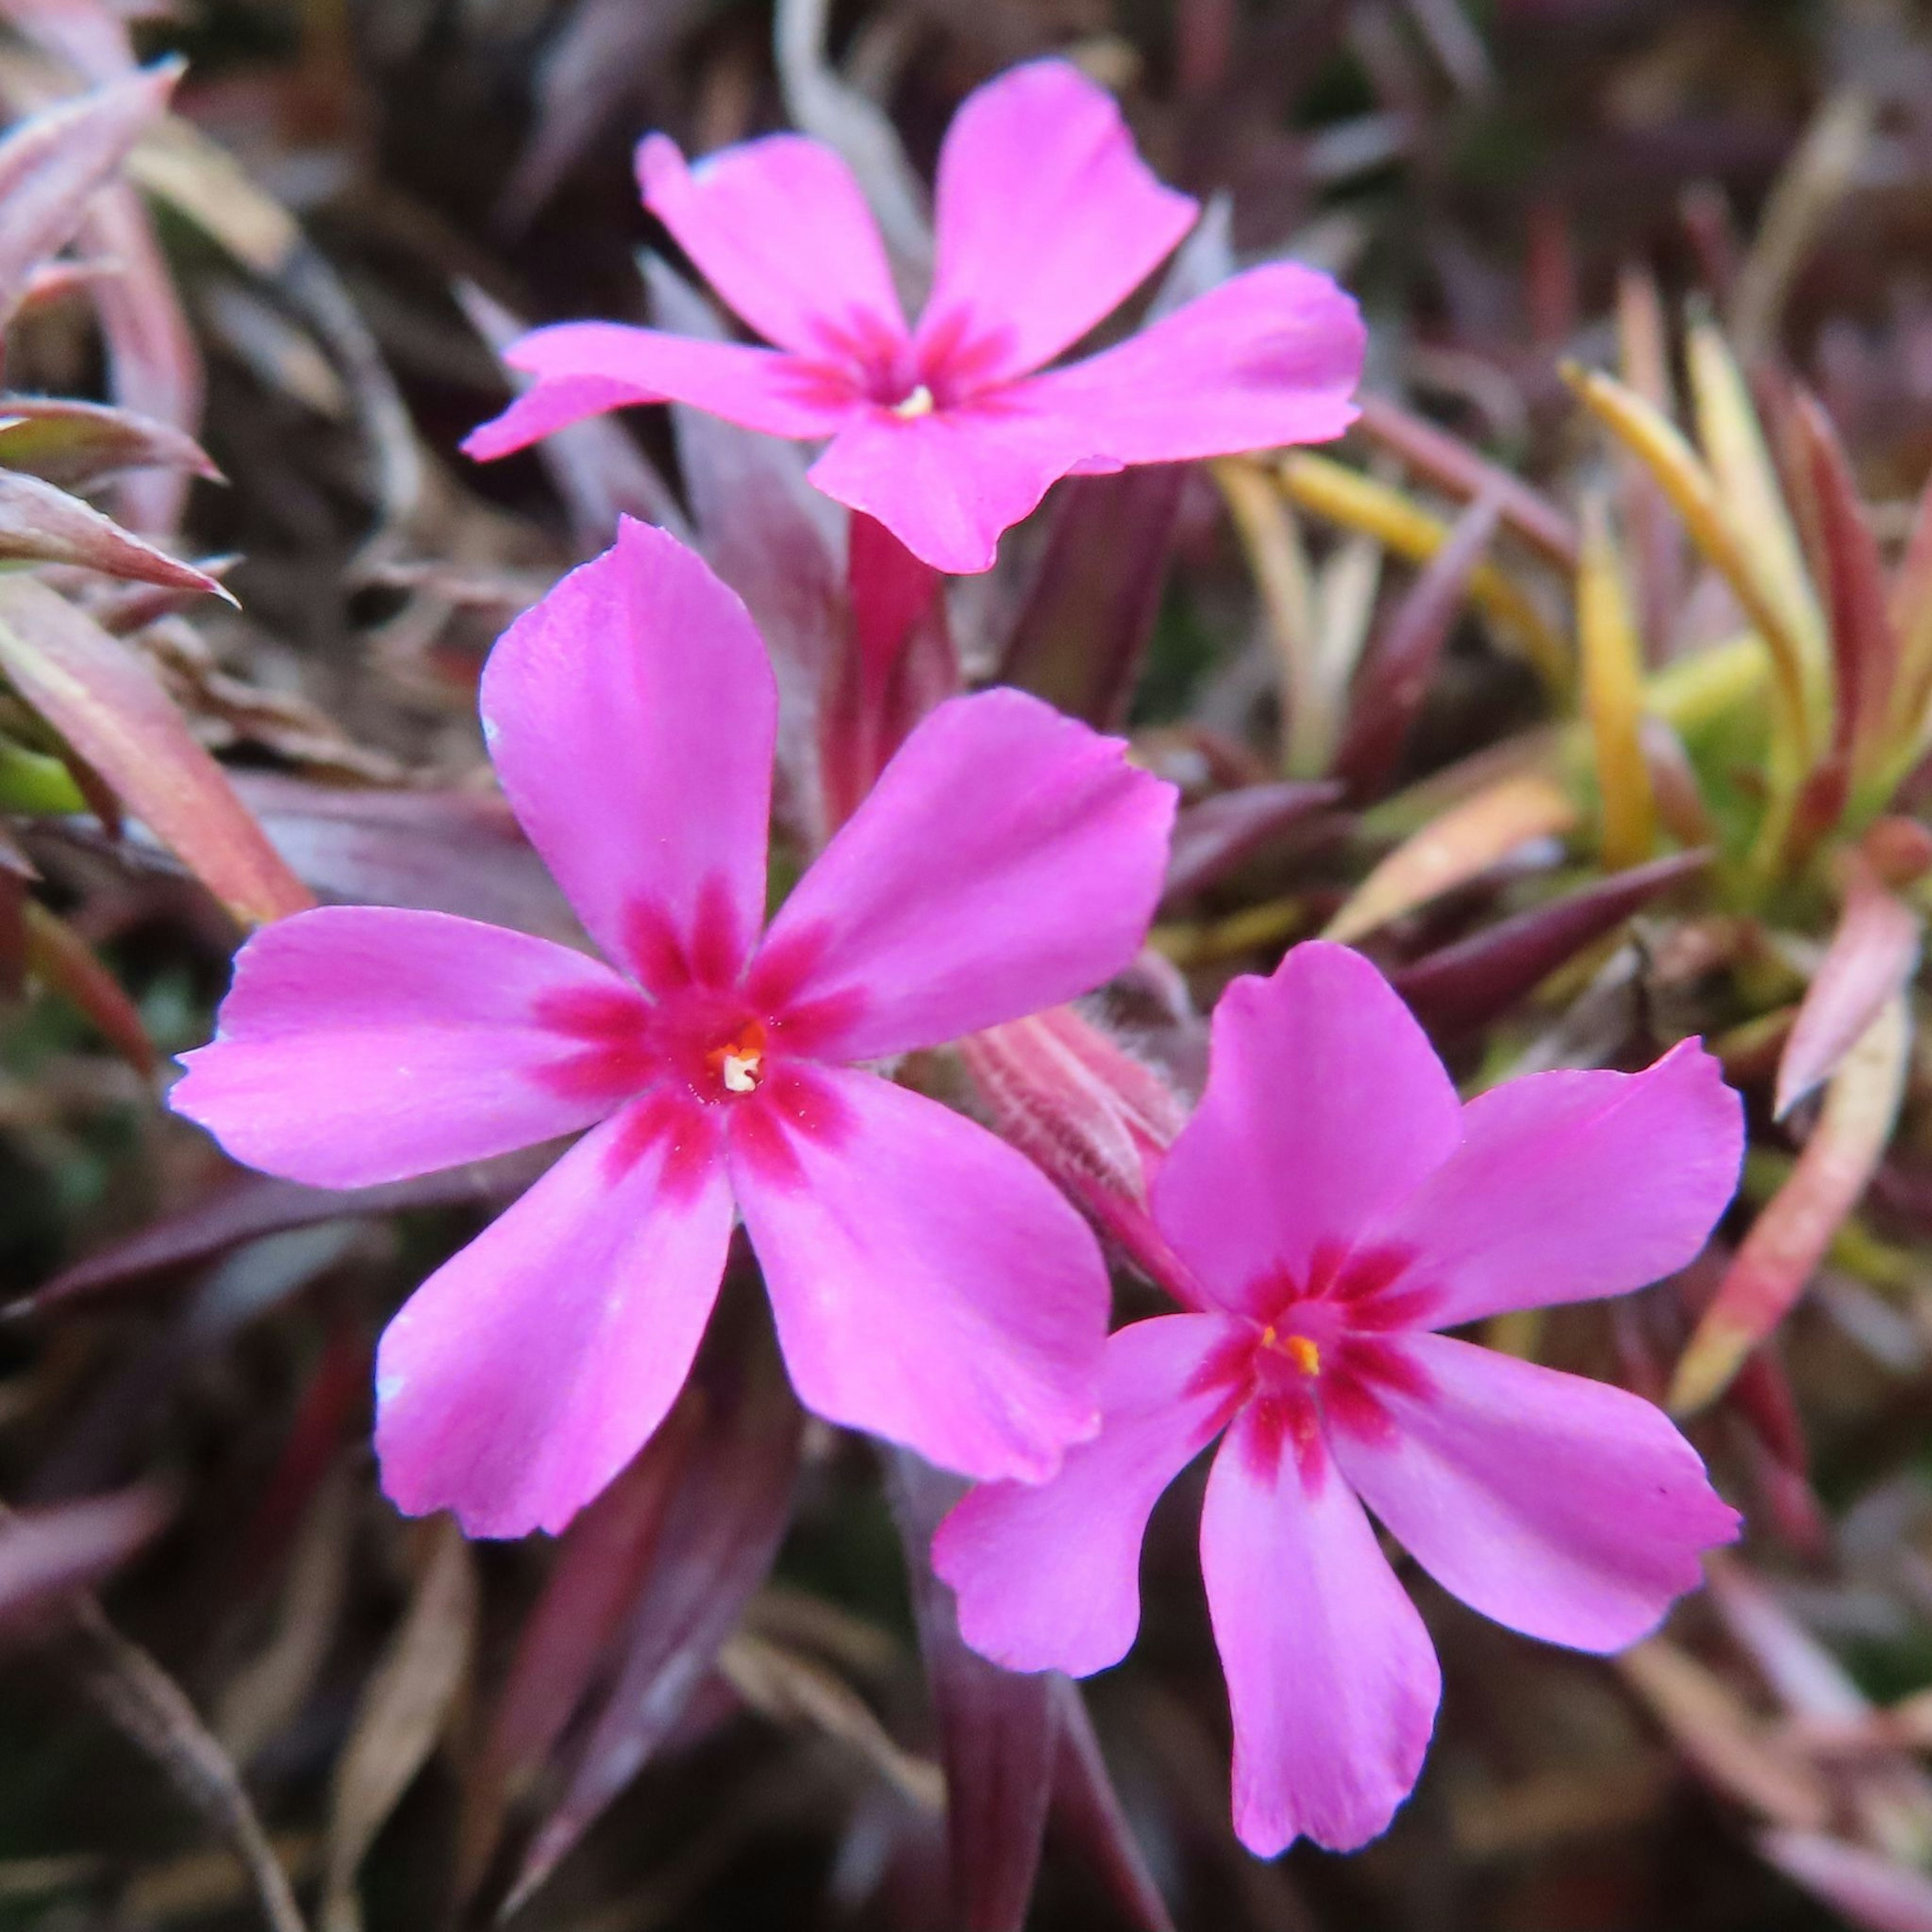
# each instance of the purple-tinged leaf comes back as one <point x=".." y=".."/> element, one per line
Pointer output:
<point x="720" y="1535"/>
<point x="1478" y="979"/>
<point x="603" y="1561"/>
<point x="41" y="524"/>
<point x="101" y="696"/>
<point x="1872" y="953"/>
<point x="251" y="1205"/>
<point x="60" y="959"/>
<point x="999" y="1730"/>
<point x="1454" y="468"/>
<point x="459" y="852"/>
<point x="1213" y="838"/>
<point x="154" y="365"/>
<point x="52" y="163"/>
<point x="1866" y="1888"/>
<point x="48" y="1556"/>
<point x="1086" y="1810"/>
<point x="1082" y="632"/>
<point x="76" y="445"/>
<point x="1865" y="646"/>
<point x="1392" y="683"/>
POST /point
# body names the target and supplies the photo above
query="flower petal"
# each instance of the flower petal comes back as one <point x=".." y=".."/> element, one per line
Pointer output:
<point x="362" y="1044"/>
<point x="1325" y="1102"/>
<point x="583" y="368"/>
<point x="1331" y="1676"/>
<point x="1565" y="1508"/>
<point x="1048" y="1575"/>
<point x="930" y="1284"/>
<point x="1008" y="858"/>
<point x="782" y="231"/>
<point x="1271" y="356"/>
<point x="1047" y="219"/>
<point x="1571" y="1185"/>
<point x="524" y="1374"/>
<point x="632" y="715"/>
<point x="948" y="483"/>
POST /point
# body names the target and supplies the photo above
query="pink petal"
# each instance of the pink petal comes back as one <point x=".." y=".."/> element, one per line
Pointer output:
<point x="930" y="1284"/>
<point x="1048" y="1575"/>
<point x="780" y="230"/>
<point x="590" y="367"/>
<point x="1008" y="858"/>
<point x="1331" y="1676"/>
<point x="1325" y="1103"/>
<point x="362" y="1044"/>
<point x="524" y="1374"/>
<point x="583" y="368"/>
<point x="1571" y="1185"/>
<point x="1565" y="1508"/>
<point x="632" y="715"/>
<point x="948" y="483"/>
<point x="1271" y="356"/>
<point x="1047" y="219"/>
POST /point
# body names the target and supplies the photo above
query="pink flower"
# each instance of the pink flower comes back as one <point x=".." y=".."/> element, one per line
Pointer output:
<point x="1337" y="1207"/>
<point x="928" y="1283"/>
<point x="1047" y="221"/>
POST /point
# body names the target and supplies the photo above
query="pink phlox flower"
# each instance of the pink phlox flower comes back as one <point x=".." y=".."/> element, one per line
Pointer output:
<point x="1046" y="220"/>
<point x="928" y="1284"/>
<point x="1338" y="1208"/>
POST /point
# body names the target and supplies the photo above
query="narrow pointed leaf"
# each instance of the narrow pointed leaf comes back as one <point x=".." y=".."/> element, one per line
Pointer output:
<point x="1359" y="503"/>
<point x="1873" y="954"/>
<point x="47" y="1554"/>
<point x="51" y="165"/>
<point x="1394" y="680"/>
<point x="1082" y="633"/>
<point x="999" y="1729"/>
<point x="1477" y="979"/>
<point x="1087" y="1811"/>
<point x="404" y="1706"/>
<point x="1213" y="838"/>
<point x="1789" y="1237"/>
<point x="1453" y="467"/>
<point x="1458" y="844"/>
<point x="75" y="445"/>
<point x="59" y="957"/>
<point x="602" y="1562"/>
<point x="719" y="1538"/>
<point x="1865" y="647"/>
<point x="105" y="701"/>
<point x="40" y="523"/>
<point x="1612" y="656"/>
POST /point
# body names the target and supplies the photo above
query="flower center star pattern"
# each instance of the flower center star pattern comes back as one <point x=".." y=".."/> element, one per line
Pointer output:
<point x="928" y="1283"/>
<point x="1336" y="1207"/>
<point x="948" y="432"/>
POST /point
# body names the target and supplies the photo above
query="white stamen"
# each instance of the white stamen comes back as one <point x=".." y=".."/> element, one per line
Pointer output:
<point x="741" y="1073"/>
<point x="919" y="403"/>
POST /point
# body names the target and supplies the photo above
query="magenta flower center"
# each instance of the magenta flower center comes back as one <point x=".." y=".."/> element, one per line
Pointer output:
<point x="1327" y="1353"/>
<point x="711" y="1043"/>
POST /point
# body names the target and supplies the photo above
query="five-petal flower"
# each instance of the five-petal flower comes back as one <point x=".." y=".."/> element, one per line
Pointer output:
<point x="1337" y="1206"/>
<point x="1047" y="220"/>
<point x="928" y="1284"/>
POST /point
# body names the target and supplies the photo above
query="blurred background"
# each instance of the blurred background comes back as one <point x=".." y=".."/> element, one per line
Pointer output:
<point x="1492" y="689"/>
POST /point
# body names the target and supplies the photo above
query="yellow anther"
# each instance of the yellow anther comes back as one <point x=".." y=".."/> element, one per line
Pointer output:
<point x="919" y="403"/>
<point x="1307" y="1356"/>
